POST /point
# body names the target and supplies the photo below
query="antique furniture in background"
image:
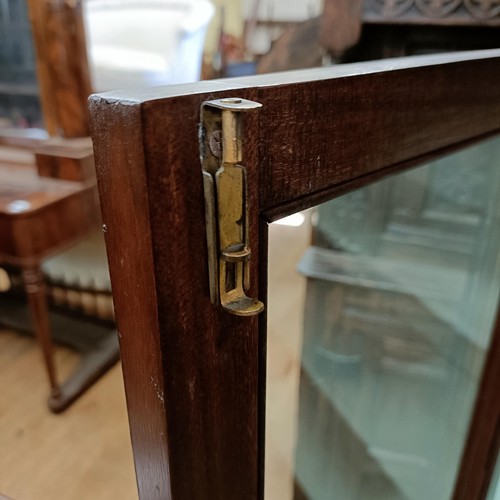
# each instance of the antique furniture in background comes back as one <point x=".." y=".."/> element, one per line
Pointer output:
<point x="407" y="27"/>
<point x="40" y="217"/>
<point x="53" y="123"/>
<point x="375" y="29"/>
<point x="45" y="81"/>
<point x="50" y="229"/>
<point x="49" y="197"/>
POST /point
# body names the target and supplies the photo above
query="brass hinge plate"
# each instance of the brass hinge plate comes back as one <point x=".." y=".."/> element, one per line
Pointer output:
<point x="226" y="204"/>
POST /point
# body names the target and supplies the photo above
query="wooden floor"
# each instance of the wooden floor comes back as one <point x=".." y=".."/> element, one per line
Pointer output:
<point x="82" y="454"/>
<point x="287" y="287"/>
<point x="85" y="453"/>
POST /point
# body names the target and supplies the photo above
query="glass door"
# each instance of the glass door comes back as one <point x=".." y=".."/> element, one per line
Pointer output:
<point x="375" y="356"/>
<point x="379" y="310"/>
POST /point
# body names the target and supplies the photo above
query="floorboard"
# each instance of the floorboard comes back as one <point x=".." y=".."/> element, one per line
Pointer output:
<point x="82" y="454"/>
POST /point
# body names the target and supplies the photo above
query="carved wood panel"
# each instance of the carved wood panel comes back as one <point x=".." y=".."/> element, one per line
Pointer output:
<point x="432" y="11"/>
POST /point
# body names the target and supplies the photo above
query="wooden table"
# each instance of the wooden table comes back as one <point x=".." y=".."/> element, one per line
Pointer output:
<point x="38" y="218"/>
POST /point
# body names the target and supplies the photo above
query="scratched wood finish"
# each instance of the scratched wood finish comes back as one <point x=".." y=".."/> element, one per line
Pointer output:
<point x="356" y="119"/>
<point x="194" y="376"/>
<point x="363" y="123"/>
<point x="120" y="165"/>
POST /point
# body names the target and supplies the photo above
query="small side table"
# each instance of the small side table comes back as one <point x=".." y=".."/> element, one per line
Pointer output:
<point x="38" y="218"/>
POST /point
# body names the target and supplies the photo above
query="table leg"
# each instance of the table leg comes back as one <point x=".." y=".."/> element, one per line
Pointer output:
<point x="34" y="284"/>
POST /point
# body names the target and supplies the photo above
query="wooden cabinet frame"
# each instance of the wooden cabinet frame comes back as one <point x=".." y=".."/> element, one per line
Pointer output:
<point x="195" y="375"/>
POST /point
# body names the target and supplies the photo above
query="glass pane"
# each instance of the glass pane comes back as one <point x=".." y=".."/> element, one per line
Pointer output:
<point x="381" y="306"/>
<point x="494" y="493"/>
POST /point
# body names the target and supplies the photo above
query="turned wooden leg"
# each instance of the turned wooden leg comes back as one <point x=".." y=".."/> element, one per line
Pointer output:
<point x="37" y="297"/>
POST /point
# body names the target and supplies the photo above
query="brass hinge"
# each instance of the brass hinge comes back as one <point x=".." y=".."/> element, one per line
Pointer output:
<point x="226" y="204"/>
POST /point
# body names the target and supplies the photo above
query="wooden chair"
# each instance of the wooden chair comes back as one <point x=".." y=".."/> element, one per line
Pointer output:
<point x="49" y="200"/>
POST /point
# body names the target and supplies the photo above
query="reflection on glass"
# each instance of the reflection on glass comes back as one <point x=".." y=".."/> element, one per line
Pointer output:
<point x="494" y="493"/>
<point x="377" y="343"/>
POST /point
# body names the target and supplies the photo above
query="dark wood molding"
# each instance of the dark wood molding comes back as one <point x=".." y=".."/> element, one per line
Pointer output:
<point x="363" y="111"/>
<point x="321" y="196"/>
<point x="204" y="386"/>
<point x="124" y="196"/>
<point x="368" y="124"/>
<point x="483" y="442"/>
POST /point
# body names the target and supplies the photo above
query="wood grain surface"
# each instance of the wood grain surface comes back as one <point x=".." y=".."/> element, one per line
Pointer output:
<point x="62" y="66"/>
<point x="127" y="226"/>
<point x="40" y="216"/>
